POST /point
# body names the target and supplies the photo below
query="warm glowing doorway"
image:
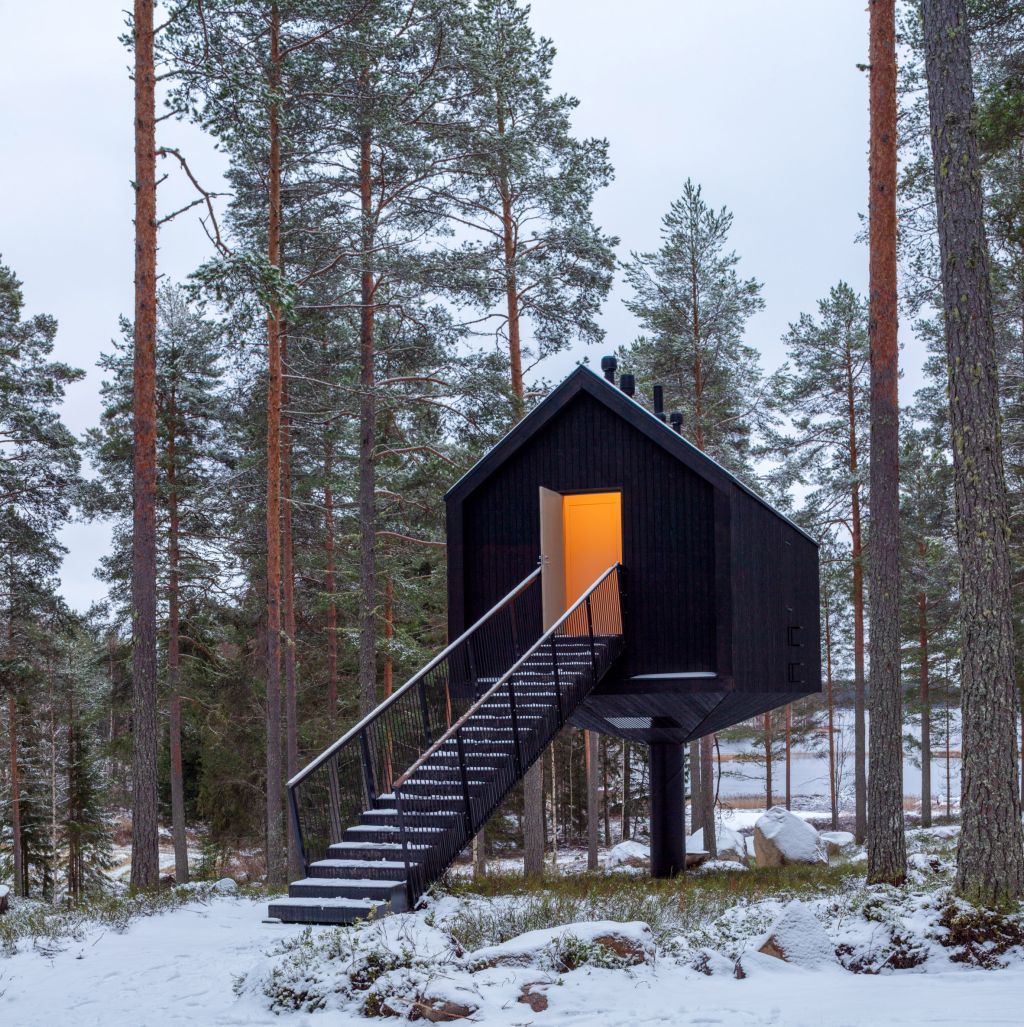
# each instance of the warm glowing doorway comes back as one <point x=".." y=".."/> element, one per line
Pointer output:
<point x="592" y="530"/>
<point x="581" y="537"/>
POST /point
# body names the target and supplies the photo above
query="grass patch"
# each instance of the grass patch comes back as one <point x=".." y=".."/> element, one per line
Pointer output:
<point x="669" y="907"/>
<point x="47" y="927"/>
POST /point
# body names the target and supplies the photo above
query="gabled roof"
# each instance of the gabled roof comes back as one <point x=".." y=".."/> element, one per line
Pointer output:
<point x="583" y="379"/>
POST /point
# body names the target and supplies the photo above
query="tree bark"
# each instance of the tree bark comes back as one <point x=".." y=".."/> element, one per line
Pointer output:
<point x="590" y="739"/>
<point x="367" y="440"/>
<point x="860" y="783"/>
<point x="174" y="647"/>
<point x="330" y="587"/>
<point x="833" y="796"/>
<point x="886" y="843"/>
<point x="20" y="877"/>
<point x="707" y="782"/>
<point x="275" y="825"/>
<point x="624" y="831"/>
<point x="145" y="871"/>
<point x="291" y="684"/>
<point x="696" y="789"/>
<point x="789" y="755"/>
<point x="605" y="814"/>
<point x="769" y="795"/>
<point x="926" y="713"/>
<point x="990" y="863"/>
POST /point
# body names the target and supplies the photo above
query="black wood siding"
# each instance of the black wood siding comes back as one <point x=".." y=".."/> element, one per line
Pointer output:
<point x="668" y="526"/>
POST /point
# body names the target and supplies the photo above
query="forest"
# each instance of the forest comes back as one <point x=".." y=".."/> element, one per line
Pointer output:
<point x="405" y="234"/>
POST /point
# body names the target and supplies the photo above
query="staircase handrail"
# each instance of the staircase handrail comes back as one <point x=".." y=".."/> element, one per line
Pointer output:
<point x="545" y="638"/>
<point x="421" y="673"/>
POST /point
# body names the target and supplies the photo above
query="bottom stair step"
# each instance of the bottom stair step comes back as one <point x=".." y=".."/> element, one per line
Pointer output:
<point x="326" y="911"/>
<point x="391" y="892"/>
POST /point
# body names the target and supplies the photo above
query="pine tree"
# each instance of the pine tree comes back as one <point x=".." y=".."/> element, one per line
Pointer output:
<point x="990" y="865"/>
<point x="824" y="389"/>
<point x="887" y="857"/>
<point x="695" y="307"/>
<point x="39" y="482"/>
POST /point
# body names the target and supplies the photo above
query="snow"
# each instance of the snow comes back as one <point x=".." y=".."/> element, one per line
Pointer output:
<point x="798" y="938"/>
<point x="794" y="838"/>
<point x="208" y="964"/>
<point x="726" y="841"/>
<point x="626" y="852"/>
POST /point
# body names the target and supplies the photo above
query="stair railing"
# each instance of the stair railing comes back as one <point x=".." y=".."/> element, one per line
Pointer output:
<point x="331" y="793"/>
<point x="569" y="658"/>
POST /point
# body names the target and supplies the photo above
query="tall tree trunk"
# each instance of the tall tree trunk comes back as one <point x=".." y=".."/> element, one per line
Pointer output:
<point x="533" y="781"/>
<point x="590" y="739"/>
<point x="860" y="784"/>
<point x="624" y="831"/>
<point x="20" y="877"/>
<point x="174" y="647"/>
<point x="291" y="684"/>
<point x="990" y="856"/>
<point x="330" y="587"/>
<point x="145" y="872"/>
<point x="275" y="825"/>
<point x="926" y="712"/>
<point x="832" y="790"/>
<point x="696" y="789"/>
<point x="887" y="852"/>
<point x="769" y="795"/>
<point x="367" y="439"/>
<point x="707" y="782"/>
<point x="789" y="756"/>
<point x="605" y="814"/>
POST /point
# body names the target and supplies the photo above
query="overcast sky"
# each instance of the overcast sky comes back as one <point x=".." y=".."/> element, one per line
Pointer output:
<point x="760" y="101"/>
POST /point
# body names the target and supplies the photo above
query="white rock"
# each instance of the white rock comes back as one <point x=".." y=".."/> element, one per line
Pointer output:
<point x="780" y="838"/>
<point x="225" y="884"/>
<point x="796" y="937"/>
<point x="729" y="843"/>
<point x="628" y="853"/>
<point x="836" y="841"/>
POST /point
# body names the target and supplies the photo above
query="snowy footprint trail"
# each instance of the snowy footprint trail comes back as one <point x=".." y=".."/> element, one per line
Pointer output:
<point x="180" y="967"/>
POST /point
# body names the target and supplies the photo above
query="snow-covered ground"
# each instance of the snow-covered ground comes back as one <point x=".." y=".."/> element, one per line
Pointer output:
<point x="181" y="967"/>
<point x="630" y="954"/>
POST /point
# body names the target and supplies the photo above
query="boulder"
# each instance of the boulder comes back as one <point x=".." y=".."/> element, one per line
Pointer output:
<point x="796" y="937"/>
<point x="439" y="1010"/>
<point x="780" y="839"/>
<point x="730" y="844"/>
<point x="628" y="854"/>
<point x="536" y="1000"/>
<point x="548" y="948"/>
<point x="836" y="841"/>
<point x="226" y="885"/>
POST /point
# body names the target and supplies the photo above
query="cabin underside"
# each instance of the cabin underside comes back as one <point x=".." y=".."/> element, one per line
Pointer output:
<point x="673" y="710"/>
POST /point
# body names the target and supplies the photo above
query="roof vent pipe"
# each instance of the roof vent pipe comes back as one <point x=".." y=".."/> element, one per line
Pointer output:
<point x="676" y="420"/>
<point x="628" y="384"/>
<point x="608" y="365"/>
<point x="659" y="402"/>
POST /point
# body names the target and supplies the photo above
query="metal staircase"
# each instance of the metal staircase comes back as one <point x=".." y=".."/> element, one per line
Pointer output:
<point x="383" y="812"/>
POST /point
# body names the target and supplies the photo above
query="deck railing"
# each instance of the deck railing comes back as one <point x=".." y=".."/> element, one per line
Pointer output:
<point x="538" y="693"/>
<point x="331" y="793"/>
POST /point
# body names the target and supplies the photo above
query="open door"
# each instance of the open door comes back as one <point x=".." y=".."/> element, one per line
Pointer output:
<point x="552" y="557"/>
<point x="580" y="538"/>
<point x="592" y="539"/>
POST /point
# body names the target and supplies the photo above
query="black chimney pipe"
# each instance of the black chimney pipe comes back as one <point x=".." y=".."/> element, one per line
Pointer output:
<point x="628" y="384"/>
<point x="608" y="365"/>
<point x="676" y="420"/>
<point x="659" y="402"/>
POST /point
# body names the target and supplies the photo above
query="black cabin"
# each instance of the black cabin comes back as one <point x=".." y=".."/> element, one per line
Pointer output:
<point x="720" y="590"/>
